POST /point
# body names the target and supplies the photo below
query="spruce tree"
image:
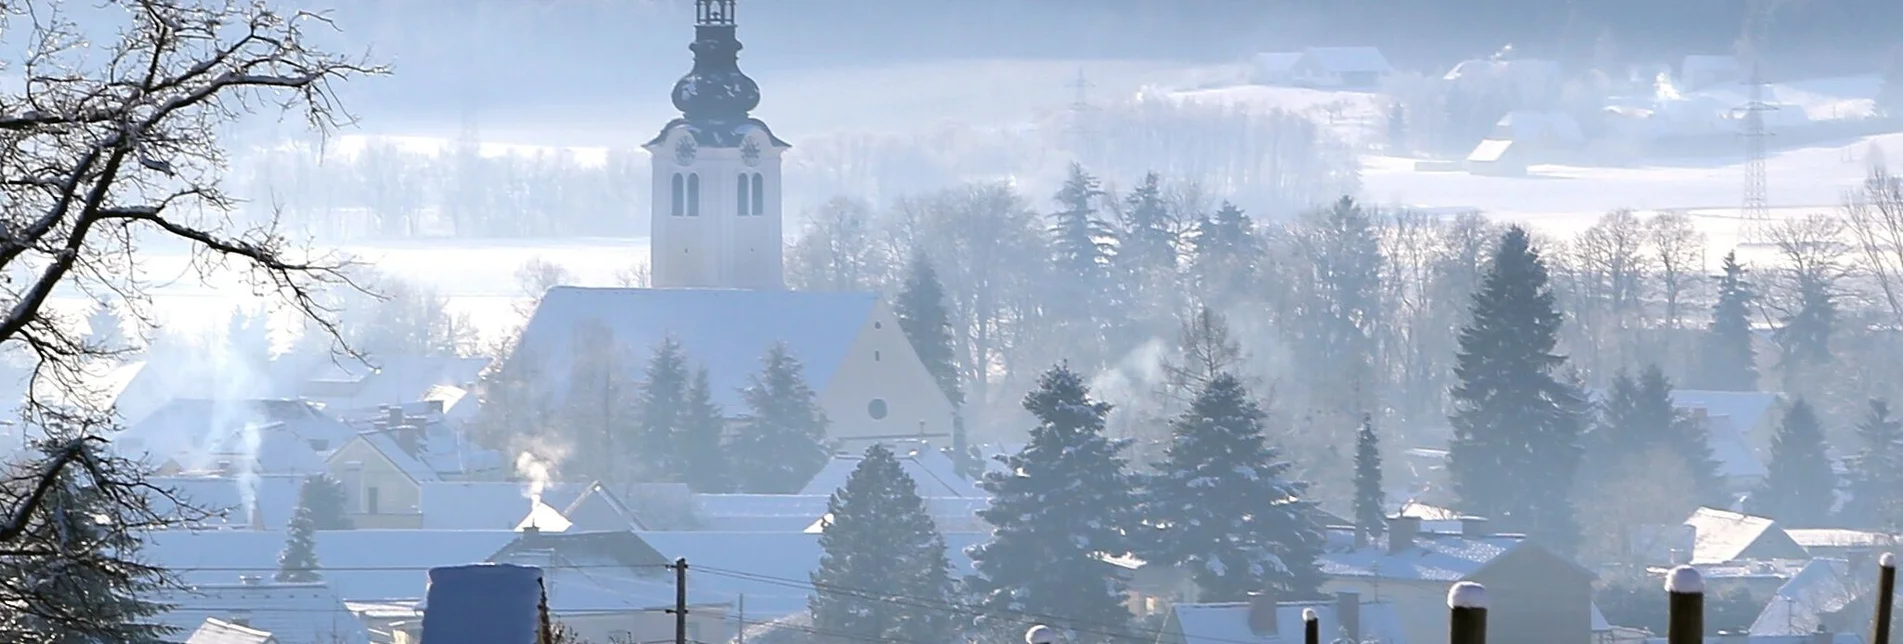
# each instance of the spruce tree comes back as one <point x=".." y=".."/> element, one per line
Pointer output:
<point x="1370" y="499"/>
<point x="662" y="408"/>
<point x="1516" y="426"/>
<point x="879" y="541"/>
<point x="1799" y="489"/>
<point x="923" y="317"/>
<point x="94" y="586"/>
<point x="1803" y="335"/>
<point x="782" y="443"/>
<point x="1877" y="479"/>
<point x="702" y="432"/>
<point x="328" y="504"/>
<point x="1061" y="502"/>
<point x="297" y="563"/>
<point x="1225" y="254"/>
<point x="1147" y="235"/>
<point x="1080" y="241"/>
<point x="1638" y="416"/>
<point x="1223" y="508"/>
<point x="1727" y="361"/>
<point x="105" y="330"/>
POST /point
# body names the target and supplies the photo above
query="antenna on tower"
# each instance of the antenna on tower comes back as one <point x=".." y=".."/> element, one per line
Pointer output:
<point x="1081" y="131"/>
<point x="1756" y="216"/>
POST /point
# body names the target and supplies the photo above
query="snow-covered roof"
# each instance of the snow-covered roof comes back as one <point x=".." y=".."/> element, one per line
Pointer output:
<point x="1348" y="59"/>
<point x="197" y="433"/>
<point x="1746" y="409"/>
<point x="1823" y="586"/>
<point x="1489" y="151"/>
<point x="934" y="473"/>
<point x="386" y="380"/>
<point x="1725" y="536"/>
<point x="1267" y="66"/>
<point x="276" y="498"/>
<point x="485" y="505"/>
<point x="1433" y="557"/>
<point x="598" y="509"/>
<point x="725" y="331"/>
<point x="359" y="565"/>
<point x="217" y="631"/>
<point x="1228" y="623"/>
<point x="1517" y="70"/>
<point x="772" y="559"/>
<point x="440" y="454"/>
<point x="306" y="613"/>
<point x="1840" y="538"/>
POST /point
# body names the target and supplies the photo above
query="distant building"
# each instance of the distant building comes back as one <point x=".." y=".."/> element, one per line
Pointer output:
<point x="930" y="469"/>
<point x="1524" y="138"/>
<point x="1723" y="536"/>
<point x="382" y="469"/>
<point x="1537" y="595"/>
<point x="1346" y="617"/>
<point x="257" y="611"/>
<point x="1828" y="595"/>
<point x="1322" y="67"/>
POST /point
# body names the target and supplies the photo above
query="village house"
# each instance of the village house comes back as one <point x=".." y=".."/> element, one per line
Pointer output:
<point x="1843" y="543"/>
<point x="1322" y="67"/>
<point x="1538" y="596"/>
<point x="257" y="436"/>
<point x="263" y="502"/>
<point x="359" y="390"/>
<point x="383" y="469"/>
<point x="1346" y="617"/>
<point x="1722" y="536"/>
<point x="283" y="613"/>
<point x="1827" y="595"/>
<point x="929" y="468"/>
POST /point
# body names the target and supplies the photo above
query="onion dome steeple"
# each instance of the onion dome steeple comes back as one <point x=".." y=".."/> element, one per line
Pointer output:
<point x="715" y="89"/>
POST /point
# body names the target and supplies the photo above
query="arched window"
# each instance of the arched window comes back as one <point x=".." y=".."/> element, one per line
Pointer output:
<point x="679" y="196"/>
<point x="740" y="202"/>
<point x="693" y="194"/>
<point x="759" y="195"/>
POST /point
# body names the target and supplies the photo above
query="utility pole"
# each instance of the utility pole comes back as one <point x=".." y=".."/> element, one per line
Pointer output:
<point x="740" y="630"/>
<point x="680" y="600"/>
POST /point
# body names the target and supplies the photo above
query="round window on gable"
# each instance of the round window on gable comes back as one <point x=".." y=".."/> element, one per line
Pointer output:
<point x="876" y="409"/>
<point x="878" y="325"/>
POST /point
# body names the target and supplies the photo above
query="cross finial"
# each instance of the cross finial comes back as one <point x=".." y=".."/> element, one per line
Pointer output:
<point x="713" y="12"/>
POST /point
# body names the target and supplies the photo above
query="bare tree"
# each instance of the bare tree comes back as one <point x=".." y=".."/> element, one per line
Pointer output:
<point x="1874" y="217"/>
<point x="1678" y="253"/>
<point x="111" y="145"/>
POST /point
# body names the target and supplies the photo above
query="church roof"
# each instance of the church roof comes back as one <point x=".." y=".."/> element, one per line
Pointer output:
<point x="726" y="331"/>
<point x="719" y="134"/>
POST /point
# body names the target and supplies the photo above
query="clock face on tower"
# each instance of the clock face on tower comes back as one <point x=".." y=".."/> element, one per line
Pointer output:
<point x="750" y="151"/>
<point x="685" y="150"/>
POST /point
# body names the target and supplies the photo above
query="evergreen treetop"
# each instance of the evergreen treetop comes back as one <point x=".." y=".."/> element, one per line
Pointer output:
<point x="701" y="436"/>
<point x="1878" y="475"/>
<point x="878" y="539"/>
<point x="1080" y="240"/>
<point x="1148" y="235"/>
<point x="782" y="442"/>
<point x="1516" y="425"/>
<point x="298" y="561"/>
<point x="662" y="408"/>
<point x="1637" y="415"/>
<point x="1066" y="500"/>
<point x="1800" y="484"/>
<point x="1370" y="497"/>
<point x="1728" y="362"/>
<point x="1222" y="506"/>
<point x="920" y="308"/>
<point x="328" y="504"/>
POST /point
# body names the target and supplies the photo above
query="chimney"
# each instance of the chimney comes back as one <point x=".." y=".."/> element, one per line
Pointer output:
<point x="240" y="617"/>
<point x="1348" y="613"/>
<point x="1681" y="557"/>
<point x="1401" y="532"/>
<point x="409" y="437"/>
<point x="393" y="415"/>
<point x="435" y="408"/>
<point x="1262" y="614"/>
<point x="1473" y="527"/>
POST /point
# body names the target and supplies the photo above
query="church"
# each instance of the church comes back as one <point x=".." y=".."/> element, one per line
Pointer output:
<point x="718" y="272"/>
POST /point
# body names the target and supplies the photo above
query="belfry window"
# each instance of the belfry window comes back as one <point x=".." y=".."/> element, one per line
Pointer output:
<point x="759" y="195"/>
<point x="693" y="194"/>
<point x="740" y="200"/>
<point x="679" y="194"/>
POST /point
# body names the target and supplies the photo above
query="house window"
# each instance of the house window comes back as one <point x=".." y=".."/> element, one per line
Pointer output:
<point x="740" y="203"/>
<point x="759" y="195"/>
<point x="693" y="195"/>
<point x="875" y="356"/>
<point x="680" y="195"/>
<point x="876" y="409"/>
<point x="370" y="500"/>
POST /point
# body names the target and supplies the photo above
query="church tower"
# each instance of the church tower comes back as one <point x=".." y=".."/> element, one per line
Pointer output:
<point x="716" y="220"/>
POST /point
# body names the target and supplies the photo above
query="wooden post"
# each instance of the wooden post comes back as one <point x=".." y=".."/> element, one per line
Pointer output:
<point x="1311" y="626"/>
<point x="680" y="601"/>
<point x="1687" y="591"/>
<point x="1886" y="598"/>
<point x="1467" y="623"/>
